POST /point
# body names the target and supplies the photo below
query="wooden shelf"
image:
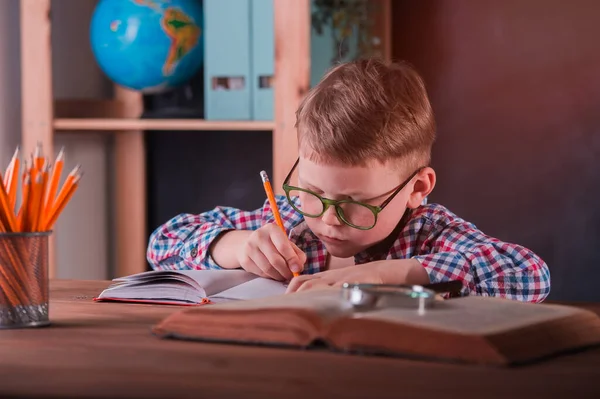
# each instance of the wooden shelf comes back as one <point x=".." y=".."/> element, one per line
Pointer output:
<point x="116" y="124"/>
<point x="43" y="116"/>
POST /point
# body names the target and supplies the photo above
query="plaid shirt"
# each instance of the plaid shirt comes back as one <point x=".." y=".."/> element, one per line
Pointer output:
<point x="448" y="247"/>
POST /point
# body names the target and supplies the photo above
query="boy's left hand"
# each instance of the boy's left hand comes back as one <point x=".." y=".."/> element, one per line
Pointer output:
<point x="397" y="271"/>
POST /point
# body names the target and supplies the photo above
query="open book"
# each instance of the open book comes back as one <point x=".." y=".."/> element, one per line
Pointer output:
<point x="471" y="329"/>
<point x="190" y="287"/>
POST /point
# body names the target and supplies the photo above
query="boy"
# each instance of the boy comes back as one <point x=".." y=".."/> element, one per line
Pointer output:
<point x="357" y="213"/>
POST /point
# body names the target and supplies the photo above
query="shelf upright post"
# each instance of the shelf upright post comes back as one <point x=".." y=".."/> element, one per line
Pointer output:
<point x="36" y="87"/>
<point x="292" y="80"/>
<point x="130" y="190"/>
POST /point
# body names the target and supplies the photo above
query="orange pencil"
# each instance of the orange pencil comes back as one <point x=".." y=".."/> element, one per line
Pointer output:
<point x="72" y="178"/>
<point x="13" y="187"/>
<point x="11" y="177"/>
<point x="33" y="171"/>
<point x="35" y="195"/>
<point x="8" y="215"/>
<point x="41" y="210"/>
<point x="273" y="203"/>
<point x="38" y="156"/>
<point x="54" y="181"/>
<point x="61" y="203"/>
<point x="24" y="203"/>
<point x="8" y="172"/>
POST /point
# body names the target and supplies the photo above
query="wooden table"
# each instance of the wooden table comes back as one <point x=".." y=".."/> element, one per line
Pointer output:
<point x="100" y="350"/>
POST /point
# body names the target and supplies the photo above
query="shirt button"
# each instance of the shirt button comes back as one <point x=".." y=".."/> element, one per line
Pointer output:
<point x="194" y="252"/>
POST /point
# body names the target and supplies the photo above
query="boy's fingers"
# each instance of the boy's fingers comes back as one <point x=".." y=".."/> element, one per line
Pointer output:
<point x="248" y="265"/>
<point x="276" y="260"/>
<point x="297" y="283"/>
<point x="313" y="285"/>
<point x="301" y="256"/>
<point x="251" y="267"/>
<point x="264" y="265"/>
<point x="286" y="249"/>
<point x="307" y="282"/>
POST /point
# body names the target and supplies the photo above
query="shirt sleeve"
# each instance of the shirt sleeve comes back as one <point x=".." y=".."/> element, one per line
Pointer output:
<point x="184" y="241"/>
<point x="455" y="249"/>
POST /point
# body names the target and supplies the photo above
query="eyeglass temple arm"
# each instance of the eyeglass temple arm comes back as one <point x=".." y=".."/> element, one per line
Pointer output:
<point x="289" y="176"/>
<point x="400" y="187"/>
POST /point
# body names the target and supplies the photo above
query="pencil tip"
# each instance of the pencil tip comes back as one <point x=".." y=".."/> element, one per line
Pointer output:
<point x="264" y="176"/>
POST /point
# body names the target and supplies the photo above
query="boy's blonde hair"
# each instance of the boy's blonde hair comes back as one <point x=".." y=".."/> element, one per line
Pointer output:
<point x="367" y="110"/>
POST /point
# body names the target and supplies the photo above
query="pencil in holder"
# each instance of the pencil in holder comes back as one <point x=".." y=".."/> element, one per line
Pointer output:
<point x="24" y="282"/>
<point x="24" y="232"/>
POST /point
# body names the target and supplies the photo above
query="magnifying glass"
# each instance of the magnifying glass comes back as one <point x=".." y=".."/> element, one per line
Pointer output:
<point x="364" y="296"/>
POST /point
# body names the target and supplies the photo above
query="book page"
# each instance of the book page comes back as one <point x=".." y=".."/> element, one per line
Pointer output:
<point x="467" y="315"/>
<point x="326" y="303"/>
<point x="286" y="319"/>
<point x="256" y="288"/>
<point x="473" y="315"/>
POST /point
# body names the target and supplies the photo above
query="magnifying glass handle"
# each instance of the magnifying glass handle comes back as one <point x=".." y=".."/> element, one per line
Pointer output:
<point x="452" y="287"/>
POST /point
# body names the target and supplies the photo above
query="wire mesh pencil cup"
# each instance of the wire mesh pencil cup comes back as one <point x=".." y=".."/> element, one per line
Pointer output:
<point x="24" y="282"/>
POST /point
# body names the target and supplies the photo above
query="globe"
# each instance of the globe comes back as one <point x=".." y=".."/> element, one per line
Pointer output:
<point x="148" y="45"/>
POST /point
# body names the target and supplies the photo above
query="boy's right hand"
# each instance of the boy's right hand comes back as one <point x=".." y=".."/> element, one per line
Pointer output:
<point x="269" y="253"/>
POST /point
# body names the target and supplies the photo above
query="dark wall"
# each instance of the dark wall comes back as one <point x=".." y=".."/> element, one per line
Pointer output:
<point x="195" y="171"/>
<point x="192" y="172"/>
<point x="515" y="86"/>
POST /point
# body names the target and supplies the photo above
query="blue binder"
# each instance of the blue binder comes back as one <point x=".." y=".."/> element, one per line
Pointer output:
<point x="262" y="68"/>
<point x="227" y="79"/>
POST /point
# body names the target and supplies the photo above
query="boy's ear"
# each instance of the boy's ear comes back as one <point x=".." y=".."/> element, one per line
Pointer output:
<point x="423" y="185"/>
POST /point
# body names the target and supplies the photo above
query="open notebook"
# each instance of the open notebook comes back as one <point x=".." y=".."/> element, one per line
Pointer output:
<point x="190" y="287"/>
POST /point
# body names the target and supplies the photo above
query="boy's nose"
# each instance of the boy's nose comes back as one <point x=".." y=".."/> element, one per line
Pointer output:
<point x="330" y="217"/>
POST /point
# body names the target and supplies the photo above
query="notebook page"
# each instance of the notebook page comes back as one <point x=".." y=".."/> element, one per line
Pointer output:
<point x="206" y="282"/>
<point x="176" y="291"/>
<point x="215" y="281"/>
<point x="256" y="288"/>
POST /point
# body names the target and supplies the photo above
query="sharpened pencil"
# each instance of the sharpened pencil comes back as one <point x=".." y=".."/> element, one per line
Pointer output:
<point x="273" y="203"/>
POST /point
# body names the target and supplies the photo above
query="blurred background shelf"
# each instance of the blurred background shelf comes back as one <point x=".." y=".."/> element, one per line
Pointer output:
<point x="129" y="142"/>
<point x="133" y="117"/>
<point x="114" y="124"/>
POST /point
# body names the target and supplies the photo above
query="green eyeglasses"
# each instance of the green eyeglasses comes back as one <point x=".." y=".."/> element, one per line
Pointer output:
<point x="352" y="213"/>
